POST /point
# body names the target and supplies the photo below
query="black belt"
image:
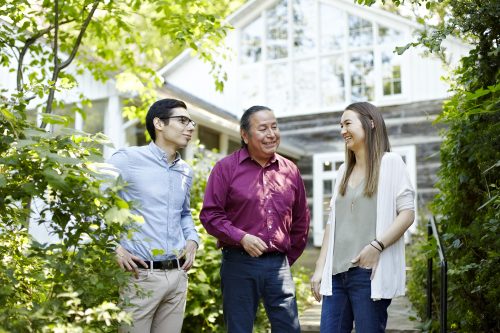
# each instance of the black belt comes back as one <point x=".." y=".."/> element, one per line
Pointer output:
<point x="241" y="251"/>
<point x="165" y="264"/>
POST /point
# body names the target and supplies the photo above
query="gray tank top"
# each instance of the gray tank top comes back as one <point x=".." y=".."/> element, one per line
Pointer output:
<point x="355" y="224"/>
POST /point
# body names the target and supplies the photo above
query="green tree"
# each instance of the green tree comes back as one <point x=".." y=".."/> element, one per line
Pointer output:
<point x="56" y="180"/>
<point x="468" y="204"/>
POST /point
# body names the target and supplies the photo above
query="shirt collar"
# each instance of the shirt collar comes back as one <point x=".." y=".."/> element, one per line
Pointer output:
<point x="244" y="154"/>
<point x="160" y="154"/>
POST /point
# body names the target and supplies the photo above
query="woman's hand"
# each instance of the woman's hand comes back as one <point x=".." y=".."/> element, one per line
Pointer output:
<point x="367" y="258"/>
<point x="315" y="284"/>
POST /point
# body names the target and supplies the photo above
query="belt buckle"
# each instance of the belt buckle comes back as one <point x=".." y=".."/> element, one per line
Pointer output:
<point x="166" y="264"/>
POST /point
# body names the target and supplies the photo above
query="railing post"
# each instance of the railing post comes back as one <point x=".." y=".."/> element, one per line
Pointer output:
<point x="444" y="296"/>
<point x="429" y="276"/>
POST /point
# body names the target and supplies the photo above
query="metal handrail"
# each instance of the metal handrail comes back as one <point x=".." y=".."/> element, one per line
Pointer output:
<point x="443" y="294"/>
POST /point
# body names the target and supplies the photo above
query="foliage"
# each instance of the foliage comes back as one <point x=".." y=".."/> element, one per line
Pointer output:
<point x="107" y="39"/>
<point x="54" y="180"/>
<point x="468" y="204"/>
<point x="204" y="300"/>
<point x="73" y="282"/>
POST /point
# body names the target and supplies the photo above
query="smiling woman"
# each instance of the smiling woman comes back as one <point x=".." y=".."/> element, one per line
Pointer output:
<point x="361" y="263"/>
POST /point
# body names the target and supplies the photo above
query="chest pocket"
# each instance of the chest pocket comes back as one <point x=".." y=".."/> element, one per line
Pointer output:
<point x="283" y="192"/>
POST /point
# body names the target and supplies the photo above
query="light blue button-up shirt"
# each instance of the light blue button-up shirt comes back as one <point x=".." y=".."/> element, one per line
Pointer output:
<point x="160" y="193"/>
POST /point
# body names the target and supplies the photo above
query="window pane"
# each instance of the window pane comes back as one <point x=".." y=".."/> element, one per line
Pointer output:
<point x="233" y="146"/>
<point x="249" y="83"/>
<point x="251" y="41"/>
<point x="208" y="137"/>
<point x="304" y="85"/>
<point x="327" y="187"/>
<point x="388" y="35"/>
<point x="304" y="28"/>
<point x="277" y="31"/>
<point x="391" y="73"/>
<point x="333" y="22"/>
<point x="362" y="76"/>
<point x="332" y="80"/>
<point x="94" y="121"/>
<point x="135" y="135"/>
<point x="278" y="85"/>
<point x="360" y="32"/>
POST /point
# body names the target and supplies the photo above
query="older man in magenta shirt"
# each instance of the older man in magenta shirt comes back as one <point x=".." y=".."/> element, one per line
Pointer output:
<point x="255" y="205"/>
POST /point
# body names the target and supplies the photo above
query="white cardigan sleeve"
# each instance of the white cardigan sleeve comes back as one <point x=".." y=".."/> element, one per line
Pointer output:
<point x="390" y="277"/>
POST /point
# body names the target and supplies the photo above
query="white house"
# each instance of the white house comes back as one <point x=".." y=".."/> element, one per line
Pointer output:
<point x="307" y="60"/>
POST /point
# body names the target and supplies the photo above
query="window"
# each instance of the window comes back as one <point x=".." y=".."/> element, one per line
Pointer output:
<point x="278" y="86"/>
<point x="304" y="84"/>
<point x="94" y="117"/>
<point x="135" y="134"/>
<point x="332" y="80"/>
<point x="332" y="23"/>
<point x="208" y="137"/>
<point x="387" y="35"/>
<point x="391" y="74"/>
<point x="362" y="76"/>
<point x="277" y="31"/>
<point x="304" y="28"/>
<point x="251" y="42"/>
<point x="360" y="32"/>
<point x="310" y="54"/>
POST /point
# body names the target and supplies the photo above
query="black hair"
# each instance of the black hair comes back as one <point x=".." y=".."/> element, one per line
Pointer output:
<point x="245" y="119"/>
<point x="161" y="109"/>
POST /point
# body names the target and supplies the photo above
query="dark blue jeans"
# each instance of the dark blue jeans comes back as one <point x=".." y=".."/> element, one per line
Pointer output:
<point x="245" y="280"/>
<point x="350" y="301"/>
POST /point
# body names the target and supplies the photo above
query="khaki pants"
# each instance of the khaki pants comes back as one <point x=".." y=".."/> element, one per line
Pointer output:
<point x="157" y="301"/>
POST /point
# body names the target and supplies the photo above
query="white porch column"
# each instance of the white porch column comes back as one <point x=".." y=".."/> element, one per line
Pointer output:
<point x="223" y="144"/>
<point x="113" y="124"/>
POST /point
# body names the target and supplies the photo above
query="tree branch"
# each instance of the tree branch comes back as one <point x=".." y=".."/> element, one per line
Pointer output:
<point x="55" y="73"/>
<point x="80" y="35"/>
<point x="30" y="41"/>
<point x="60" y="66"/>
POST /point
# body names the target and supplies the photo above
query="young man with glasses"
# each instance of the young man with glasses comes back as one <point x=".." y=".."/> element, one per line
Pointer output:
<point x="163" y="248"/>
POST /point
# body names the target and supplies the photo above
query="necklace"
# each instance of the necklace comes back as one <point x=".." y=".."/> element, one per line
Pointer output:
<point x="356" y="195"/>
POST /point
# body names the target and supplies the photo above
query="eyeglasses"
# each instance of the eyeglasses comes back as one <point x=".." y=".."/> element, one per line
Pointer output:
<point x="182" y="119"/>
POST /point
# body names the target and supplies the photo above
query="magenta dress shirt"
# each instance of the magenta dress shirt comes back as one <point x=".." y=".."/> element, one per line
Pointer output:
<point x="268" y="202"/>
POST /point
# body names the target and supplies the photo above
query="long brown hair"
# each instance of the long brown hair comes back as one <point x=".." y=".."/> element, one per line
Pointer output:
<point x="376" y="144"/>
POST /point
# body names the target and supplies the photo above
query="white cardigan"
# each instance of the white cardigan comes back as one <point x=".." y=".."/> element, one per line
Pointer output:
<point x="390" y="277"/>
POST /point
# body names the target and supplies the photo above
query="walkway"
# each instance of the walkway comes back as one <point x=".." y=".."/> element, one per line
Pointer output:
<point x="398" y="321"/>
<point x="399" y="311"/>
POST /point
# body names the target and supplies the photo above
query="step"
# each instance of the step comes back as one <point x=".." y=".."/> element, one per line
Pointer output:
<point x="398" y="321"/>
